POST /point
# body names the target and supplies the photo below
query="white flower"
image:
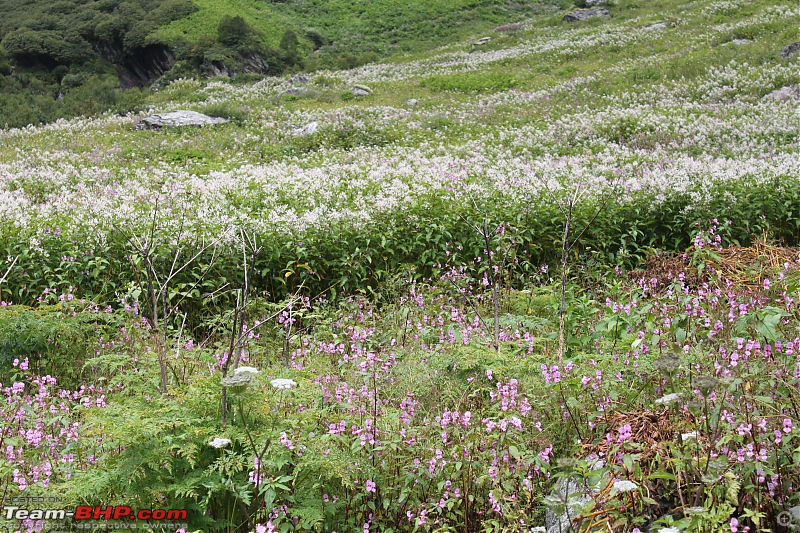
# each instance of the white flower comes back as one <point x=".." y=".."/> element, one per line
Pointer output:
<point x="669" y="530"/>
<point x="625" y="486"/>
<point x="283" y="383"/>
<point x="219" y="442"/>
<point x="249" y="369"/>
<point x="669" y="398"/>
<point x="538" y="529"/>
<point x="687" y="436"/>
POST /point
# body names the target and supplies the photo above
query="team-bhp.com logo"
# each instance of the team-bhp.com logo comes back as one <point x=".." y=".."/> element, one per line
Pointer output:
<point x="86" y="512"/>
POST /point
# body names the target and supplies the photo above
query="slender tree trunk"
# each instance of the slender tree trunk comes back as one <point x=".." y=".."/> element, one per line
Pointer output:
<point x="563" y="306"/>
<point x="160" y="340"/>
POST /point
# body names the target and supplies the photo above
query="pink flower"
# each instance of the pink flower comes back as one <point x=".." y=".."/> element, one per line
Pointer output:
<point x="624" y="433"/>
<point x="787" y="425"/>
<point x="370" y="485"/>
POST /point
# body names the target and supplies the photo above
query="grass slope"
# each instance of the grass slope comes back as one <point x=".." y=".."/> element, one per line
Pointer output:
<point x="354" y="26"/>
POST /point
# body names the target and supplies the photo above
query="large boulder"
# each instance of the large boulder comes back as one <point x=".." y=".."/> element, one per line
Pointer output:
<point x="790" y="49"/>
<point x="585" y="14"/>
<point x="737" y="42"/>
<point x="178" y="119"/>
<point x="361" y="90"/>
<point x="308" y="129"/>
<point x="790" y="92"/>
<point x="656" y="26"/>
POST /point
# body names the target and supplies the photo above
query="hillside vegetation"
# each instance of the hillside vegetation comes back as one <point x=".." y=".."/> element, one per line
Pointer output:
<point x="566" y="251"/>
<point x="69" y="58"/>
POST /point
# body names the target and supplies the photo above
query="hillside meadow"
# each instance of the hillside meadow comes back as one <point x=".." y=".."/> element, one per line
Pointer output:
<point x="561" y="261"/>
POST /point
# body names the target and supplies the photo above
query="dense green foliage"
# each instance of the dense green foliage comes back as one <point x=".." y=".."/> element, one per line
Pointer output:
<point x="67" y="58"/>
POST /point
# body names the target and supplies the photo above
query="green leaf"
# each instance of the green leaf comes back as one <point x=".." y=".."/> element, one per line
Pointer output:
<point x="680" y="335"/>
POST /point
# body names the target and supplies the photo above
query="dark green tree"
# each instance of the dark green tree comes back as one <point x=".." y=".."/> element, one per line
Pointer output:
<point x="233" y="31"/>
<point x="289" y="47"/>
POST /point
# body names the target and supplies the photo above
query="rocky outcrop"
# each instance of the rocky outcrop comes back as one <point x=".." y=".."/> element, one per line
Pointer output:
<point x="361" y="90"/>
<point x="250" y="63"/>
<point x="308" y="129"/>
<point x="178" y="119"/>
<point x="140" y="67"/>
<point x="149" y="63"/>
<point x="585" y="14"/>
<point x="656" y="26"/>
<point x="790" y="92"/>
<point x="737" y="42"/>
<point x="790" y="49"/>
<point x="514" y="26"/>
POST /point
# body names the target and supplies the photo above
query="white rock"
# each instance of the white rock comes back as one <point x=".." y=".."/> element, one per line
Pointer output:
<point x="737" y="42"/>
<point x="361" y="90"/>
<point x="657" y="26"/>
<point x="180" y="118"/>
<point x="785" y="93"/>
<point x="482" y="41"/>
<point x="308" y="129"/>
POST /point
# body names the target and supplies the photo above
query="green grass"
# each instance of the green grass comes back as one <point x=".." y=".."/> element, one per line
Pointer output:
<point x="354" y="26"/>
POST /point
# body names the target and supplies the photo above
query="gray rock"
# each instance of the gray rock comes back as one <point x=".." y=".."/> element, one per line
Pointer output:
<point x="514" y="26"/>
<point x="482" y="41"/>
<point x="656" y="26"/>
<point x="585" y="14"/>
<point x="308" y="129"/>
<point x="361" y="90"/>
<point x="299" y="91"/>
<point x="412" y="102"/>
<point x="178" y="119"/>
<point x="568" y="498"/>
<point x="790" y="92"/>
<point x="790" y="49"/>
<point x="299" y="79"/>
<point x="737" y="42"/>
<point x="594" y="3"/>
<point x="251" y="63"/>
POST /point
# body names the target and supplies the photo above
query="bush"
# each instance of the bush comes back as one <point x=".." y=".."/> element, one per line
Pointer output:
<point x="233" y="31"/>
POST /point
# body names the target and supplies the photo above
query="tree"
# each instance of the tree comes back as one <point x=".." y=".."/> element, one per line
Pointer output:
<point x="289" y="48"/>
<point x="233" y="31"/>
